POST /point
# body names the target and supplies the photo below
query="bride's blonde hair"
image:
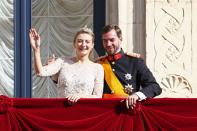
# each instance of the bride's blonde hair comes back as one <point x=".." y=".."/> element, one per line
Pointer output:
<point x="85" y="30"/>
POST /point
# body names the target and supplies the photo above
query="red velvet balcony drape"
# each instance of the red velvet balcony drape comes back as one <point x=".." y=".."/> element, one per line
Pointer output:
<point x="159" y="114"/>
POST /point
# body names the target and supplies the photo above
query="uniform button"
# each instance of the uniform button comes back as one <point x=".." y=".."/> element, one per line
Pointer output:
<point x="113" y="69"/>
<point x="113" y="63"/>
<point x="112" y="92"/>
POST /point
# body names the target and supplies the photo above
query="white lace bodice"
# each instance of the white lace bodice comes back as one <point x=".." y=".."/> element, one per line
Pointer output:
<point x="74" y="78"/>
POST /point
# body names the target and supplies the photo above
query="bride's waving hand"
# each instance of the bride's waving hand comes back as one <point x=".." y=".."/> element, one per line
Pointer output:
<point x="35" y="44"/>
<point x="34" y="39"/>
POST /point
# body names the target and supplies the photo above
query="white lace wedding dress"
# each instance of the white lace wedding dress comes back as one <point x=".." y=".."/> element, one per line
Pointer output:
<point x="83" y="78"/>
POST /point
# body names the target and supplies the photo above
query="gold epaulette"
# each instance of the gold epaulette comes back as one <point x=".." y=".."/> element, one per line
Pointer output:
<point x="136" y="55"/>
<point x="100" y="58"/>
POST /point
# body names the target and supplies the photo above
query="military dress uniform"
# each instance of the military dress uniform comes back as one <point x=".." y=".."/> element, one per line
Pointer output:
<point x="129" y="74"/>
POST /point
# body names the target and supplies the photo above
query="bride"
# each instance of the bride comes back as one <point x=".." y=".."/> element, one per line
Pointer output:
<point x="79" y="77"/>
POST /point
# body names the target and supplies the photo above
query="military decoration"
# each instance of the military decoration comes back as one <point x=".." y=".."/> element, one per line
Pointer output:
<point x="128" y="76"/>
<point x="128" y="89"/>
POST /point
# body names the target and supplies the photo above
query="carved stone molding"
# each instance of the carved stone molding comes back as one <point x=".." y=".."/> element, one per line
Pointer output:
<point x="175" y="85"/>
<point x="171" y="45"/>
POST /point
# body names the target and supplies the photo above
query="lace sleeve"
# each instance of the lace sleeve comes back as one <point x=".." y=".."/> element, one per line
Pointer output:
<point x="51" y="69"/>
<point x="99" y="80"/>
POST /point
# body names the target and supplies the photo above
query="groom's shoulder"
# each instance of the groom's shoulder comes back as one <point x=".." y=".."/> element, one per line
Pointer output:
<point x="100" y="58"/>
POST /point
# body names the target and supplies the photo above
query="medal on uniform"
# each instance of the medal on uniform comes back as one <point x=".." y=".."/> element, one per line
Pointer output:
<point x="128" y="89"/>
<point x="128" y="76"/>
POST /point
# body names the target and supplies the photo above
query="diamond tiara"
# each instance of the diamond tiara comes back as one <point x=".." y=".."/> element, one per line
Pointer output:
<point x="86" y="29"/>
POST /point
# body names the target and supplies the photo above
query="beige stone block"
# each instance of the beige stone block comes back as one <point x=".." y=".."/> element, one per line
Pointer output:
<point x="170" y="50"/>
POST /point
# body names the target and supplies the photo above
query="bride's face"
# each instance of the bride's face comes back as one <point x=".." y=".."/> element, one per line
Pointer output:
<point x="83" y="44"/>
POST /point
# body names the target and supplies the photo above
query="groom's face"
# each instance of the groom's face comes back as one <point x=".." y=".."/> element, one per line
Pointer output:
<point x="111" y="42"/>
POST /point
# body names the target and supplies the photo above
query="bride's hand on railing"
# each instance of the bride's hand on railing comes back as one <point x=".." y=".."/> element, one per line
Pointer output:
<point x="72" y="99"/>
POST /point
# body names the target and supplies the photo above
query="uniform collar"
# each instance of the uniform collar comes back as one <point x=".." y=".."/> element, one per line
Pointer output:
<point x="116" y="56"/>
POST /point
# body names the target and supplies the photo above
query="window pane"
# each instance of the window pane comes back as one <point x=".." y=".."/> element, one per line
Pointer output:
<point x="57" y="21"/>
<point x="7" y="47"/>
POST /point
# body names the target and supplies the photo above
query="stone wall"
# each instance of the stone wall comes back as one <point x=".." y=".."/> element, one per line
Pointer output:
<point x="170" y="45"/>
<point x="165" y="33"/>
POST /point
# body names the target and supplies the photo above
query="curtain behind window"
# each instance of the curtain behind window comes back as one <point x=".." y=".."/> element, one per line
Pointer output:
<point x="57" y="22"/>
<point x="7" y="47"/>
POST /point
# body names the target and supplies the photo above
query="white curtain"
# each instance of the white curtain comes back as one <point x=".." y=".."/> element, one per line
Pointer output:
<point x="6" y="48"/>
<point x="57" y="22"/>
